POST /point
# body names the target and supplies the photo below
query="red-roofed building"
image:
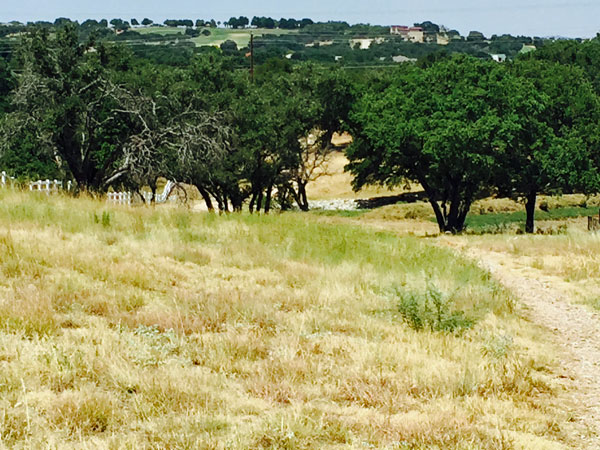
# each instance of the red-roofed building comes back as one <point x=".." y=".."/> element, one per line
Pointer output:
<point x="413" y="34"/>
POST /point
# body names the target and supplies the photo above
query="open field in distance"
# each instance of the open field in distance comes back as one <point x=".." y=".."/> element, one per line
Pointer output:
<point x="217" y="35"/>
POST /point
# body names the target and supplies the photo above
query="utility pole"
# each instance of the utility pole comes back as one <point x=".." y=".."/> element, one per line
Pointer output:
<point x="252" y="57"/>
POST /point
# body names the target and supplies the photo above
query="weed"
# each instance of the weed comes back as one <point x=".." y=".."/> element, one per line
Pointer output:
<point x="431" y="310"/>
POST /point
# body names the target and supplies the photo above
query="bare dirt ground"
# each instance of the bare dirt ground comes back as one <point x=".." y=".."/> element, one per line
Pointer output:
<point x="575" y="327"/>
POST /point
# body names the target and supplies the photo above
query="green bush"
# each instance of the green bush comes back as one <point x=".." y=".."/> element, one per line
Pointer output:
<point x="431" y="310"/>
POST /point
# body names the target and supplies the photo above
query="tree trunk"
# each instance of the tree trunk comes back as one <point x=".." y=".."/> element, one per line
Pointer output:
<point x="454" y="220"/>
<point x="303" y="203"/>
<point x="207" y="199"/>
<point x="259" y="201"/>
<point x="530" y="209"/>
<point x="236" y="204"/>
<point x="268" y="199"/>
<point x="252" y="202"/>
<point x="439" y="215"/>
<point x="153" y="189"/>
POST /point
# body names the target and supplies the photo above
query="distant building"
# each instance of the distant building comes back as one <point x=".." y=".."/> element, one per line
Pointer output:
<point x="416" y="34"/>
<point x="442" y="39"/>
<point x="501" y="57"/>
<point x="402" y="59"/>
<point x="412" y="34"/>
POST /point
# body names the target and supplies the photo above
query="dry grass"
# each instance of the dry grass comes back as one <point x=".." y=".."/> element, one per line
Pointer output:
<point x="338" y="184"/>
<point x="142" y="328"/>
<point x="570" y="261"/>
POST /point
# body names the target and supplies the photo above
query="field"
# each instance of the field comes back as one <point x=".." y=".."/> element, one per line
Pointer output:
<point x="165" y="328"/>
<point x="217" y="35"/>
<point x="569" y="262"/>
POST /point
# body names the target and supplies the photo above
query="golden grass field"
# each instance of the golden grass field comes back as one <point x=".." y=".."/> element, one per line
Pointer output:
<point x="163" y="328"/>
<point x="338" y="184"/>
<point x="570" y="262"/>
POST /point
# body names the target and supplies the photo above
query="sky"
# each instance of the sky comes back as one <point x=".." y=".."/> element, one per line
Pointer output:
<point x="575" y="18"/>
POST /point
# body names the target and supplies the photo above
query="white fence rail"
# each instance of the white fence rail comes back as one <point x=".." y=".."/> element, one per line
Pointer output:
<point x="117" y="198"/>
<point x="5" y="179"/>
<point x="125" y="198"/>
<point x="49" y="186"/>
<point x="162" y="197"/>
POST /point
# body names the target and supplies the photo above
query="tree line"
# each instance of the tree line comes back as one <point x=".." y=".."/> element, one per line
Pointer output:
<point x="91" y="112"/>
<point x="461" y="127"/>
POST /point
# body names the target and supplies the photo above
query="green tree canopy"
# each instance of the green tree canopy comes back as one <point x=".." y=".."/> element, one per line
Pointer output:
<point x="434" y="126"/>
<point x="549" y="138"/>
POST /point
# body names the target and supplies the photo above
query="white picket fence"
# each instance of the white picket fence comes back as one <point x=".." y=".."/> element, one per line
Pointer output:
<point x="49" y="186"/>
<point x="125" y="198"/>
<point x="46" y="186"/>
<point x="117" y="198"/>
<point x="5" y="179"/>
<point x="162" y="197"/>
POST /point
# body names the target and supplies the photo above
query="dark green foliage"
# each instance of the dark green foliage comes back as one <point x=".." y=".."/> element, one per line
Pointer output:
<point x="428" y="26"/>
<point x="179" y="23"/>
<point x="238" y="22"/>
<point x="548" y="138"/>
<point x="263" y="22"/>
<point x="434" y="126"/>
<point x="76" y="103"/>
<point x="461" y="127"/>
<point x="72" y="116"/>
<point x="120" y="24"/>
<point x="229" y="47"/>
<point x="7" y="83"/>
<point x="475" y="36"/>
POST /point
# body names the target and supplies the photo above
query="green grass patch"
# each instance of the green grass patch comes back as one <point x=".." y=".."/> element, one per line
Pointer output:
<point x="217" y="35"/>
<point x="341" y="213"/>
<point x="499" y="221"/>
<point x="165" y="31"/>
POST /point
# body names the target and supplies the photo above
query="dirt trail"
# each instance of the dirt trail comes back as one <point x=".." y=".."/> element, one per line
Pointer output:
<point x="575" y="327"/>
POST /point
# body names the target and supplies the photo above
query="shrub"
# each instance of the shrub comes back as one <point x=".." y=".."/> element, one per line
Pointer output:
<point x="432" y="310"/>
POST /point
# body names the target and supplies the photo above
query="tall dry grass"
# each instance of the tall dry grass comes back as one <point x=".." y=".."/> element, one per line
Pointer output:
<point x="163" y="328"/>
<point x="571" y="260"/>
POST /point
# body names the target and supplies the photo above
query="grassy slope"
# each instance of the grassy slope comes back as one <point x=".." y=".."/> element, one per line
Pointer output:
<point x="133" y="328"/>
<point x="338" y="184"/>
<point x="571" y="261"/>
<point x="218" y="35"/>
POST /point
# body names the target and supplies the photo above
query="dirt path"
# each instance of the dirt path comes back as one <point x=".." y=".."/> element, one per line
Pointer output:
<point x="575" y="327"/>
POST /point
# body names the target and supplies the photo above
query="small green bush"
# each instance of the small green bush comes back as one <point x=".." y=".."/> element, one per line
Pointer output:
<point x="431" y="310"/>
<point x="105" y="219"/>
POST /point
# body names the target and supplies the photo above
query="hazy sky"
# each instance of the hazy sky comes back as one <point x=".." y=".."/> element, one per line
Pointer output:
<point x="572" y="18"/>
